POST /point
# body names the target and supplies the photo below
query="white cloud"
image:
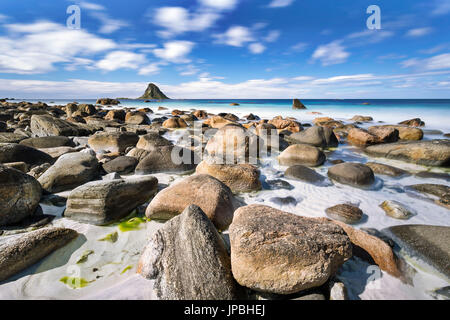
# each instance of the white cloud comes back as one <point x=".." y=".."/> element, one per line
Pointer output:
<point x="370" y="36"/>
<point x="441" y="7"/>
<point x="91" y="6"/>
<point x="109" y="25"/>
<point x="189" y="70"/>
<point x="299" y="47"/>
<point x="439" y="62"/>
<point x="272" y="36"/>
<point x="175" y="51"/>
<point x="37" y="47"/>
<point x="178" y="20"/>
<point x="149" y="69"/>
<point x="302" y="78"/>
<point x="256" y="48"/>
<point x="219" y="4"/>
<point x="419" y="32"/>
<point x="280" y="3"/>
<point x="121" y="60"/>
<point x="236" y="36"/>
<point x="332" y="53"/>
<point x="3" y="17"/>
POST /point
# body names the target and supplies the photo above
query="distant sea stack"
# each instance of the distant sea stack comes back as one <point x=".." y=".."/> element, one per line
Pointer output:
<point x="153" y="92"/>
<point x="297" y="104"/>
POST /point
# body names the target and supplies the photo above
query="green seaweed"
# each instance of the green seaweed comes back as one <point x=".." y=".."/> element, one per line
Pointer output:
<point x="131" y="224"/>
<point x="126" y="269"/>
<point x="111" y="237"/>
<point x="75" y="283"/>
<point x="83" y="258"/>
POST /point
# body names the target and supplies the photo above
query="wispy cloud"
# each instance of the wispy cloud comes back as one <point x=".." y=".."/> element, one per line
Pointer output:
<point x="419" y="32"/>
<point x="108" y="24"/>
<point x="441" y="7"/>
<point x="280" y="3"/>
<point x="439" y="62"/>
<point x="175" y="51"/>
<point x="332" y="53"/>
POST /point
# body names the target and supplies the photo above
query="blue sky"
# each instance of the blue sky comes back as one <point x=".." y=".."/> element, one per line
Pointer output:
<point x="225" y="49"/>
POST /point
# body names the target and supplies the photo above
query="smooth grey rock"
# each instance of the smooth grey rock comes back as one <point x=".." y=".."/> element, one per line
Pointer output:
<point x="189" y="260"/>
<point x="345" y="212"/>
<point x="121" y="165"/>
<point x="395" y="210"/>
<point x="302" y="173"/>
<point x="354" y="174"/>
<point x="101" y="202"/>
<point x="323" y="137"/>
<point x="46" y="125"/>
<point x="12" y="152"/>
<point x="302" y="154"/>
<point x="24" y="251"/>
<point x="160" y="160"/>
<point x="47" y="142"/>
<point x="384" y="169"/>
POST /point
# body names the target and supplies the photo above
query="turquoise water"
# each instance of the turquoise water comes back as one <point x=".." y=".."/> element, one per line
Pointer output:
<point x="435" y="113"/>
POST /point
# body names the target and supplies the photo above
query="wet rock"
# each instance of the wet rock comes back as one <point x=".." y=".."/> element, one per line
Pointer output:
<point x="302" y="154"/>
<point x="354" y="174"/>
<point x="210" y="194"/>
<point x="10" y="137"/>
<point x="433" y="175"/>
<point x="24" y="251"/>
<point x="200" y="114"/>
<point x="442" y="192"/>
<point x="121" y="165"/>
<point x="286" y="201"/>
<point x="359" y="118"/>
<point x="162" y="160"/>
<point x="112" y="141"/>
<point x="137" y="118"/>
<point x="238" y="177"/>
<point x="56" y="152"/>
<point x="113" y="199"/>
<point x="384" y="134"/>
<point x="286" y="124"/>
<point x="47" y="142"/>
<point x="279" y="252"/>
<point x="316" y="136"/>
<point x="20" y="195"/>
<point x="189" y="261"/>
<point x="404" y="132"/>
<point x="21" y="166"/>
<point x="174" y="123"/>
<point x="297" y="104"/>
<point x="69" y="171"/>
<point x="37" y="171"/>
<point x="12" y="152"/>
<point x="302" y="173"/>
<point x="416" y="122"/>
<point x="431" y="153"/>
<point x="426" y="243"/>
<point x="278" y="184"/>
<point x="152" y="141"/>
<point x="395" y="209"/>
<point x="361" y="137"/>
<point x="347" y="213"/>
<point x="385" y="169"/>
<point x="217" y="122"/>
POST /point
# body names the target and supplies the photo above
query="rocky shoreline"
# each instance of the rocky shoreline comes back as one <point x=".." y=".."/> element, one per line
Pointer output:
<point x="102" y="167"/>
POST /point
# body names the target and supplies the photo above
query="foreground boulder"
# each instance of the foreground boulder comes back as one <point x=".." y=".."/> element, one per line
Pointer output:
<point x="69" y="171"/>
<point x="426" y="243"/>
<point x="12" y="152"/>
<point x="429" y="153"/>
<point x="316" y="136"/>
<point x="47" y="142"/>
<point x="20" y="195"/>
<point x="239" y="177"/>
<point x="279" y="252"/>
<point x="21" y="253"/>
<point x="121" y="165"/>
<point x="189" y="261"/>
<point x="112" y="141"/>
<point x="302" y="173"/>
<point x="205" y="191"/>
<point x="354" y="174"/>
<point x="346" y="213"/>
<point x="404" y="132"/>
<point x="102" y="202"/>
<point x="302" y="154"/>
<point x="46" y="125"/>
<point x="166" y="159"/>
<point x="152" y="141"/>
<point x="174" y="123"/>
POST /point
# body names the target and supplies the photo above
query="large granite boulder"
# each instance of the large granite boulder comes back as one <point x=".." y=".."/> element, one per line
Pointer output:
<point x="69" y="171"/>
<point x="189" y="261"/>
<point x="46" y="125"/>
<point x="302" y="154"/>
<point x="279" y="252"/>
<point x="24" y="251"/>
<point x="354" y="174"/>
<point x="47" y="142"/>
<point x="429" y="153"/>
<point x="205" y="191"/>
<point x="112" y="141"/>
<point x="316" y="136"/>
<point x="121" y="165"/>
<point x="174" y="123"/>
<point x="20" y="195"/>
<point x="12" y="152"/>
<point x="166" y="159"/>
<point x="404" y="132"/>
<point x="152" y="141"/>
<point x="238" y="177"/>
<point x="102" y="202"/>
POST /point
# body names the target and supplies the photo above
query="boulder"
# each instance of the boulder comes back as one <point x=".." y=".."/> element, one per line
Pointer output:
<point x="121" y="165"/>
<point x="56" y="152"/>
<point x="12" y="152"/>
<point x="316" y="136"/>
<point x="359" y="118"/>
<point x="233" y="144"/>
<point x="116" y="114"/>
<point x="69" y="171"/>
<point x="426" y="243"/>
<point x="354" y="174"/>
<point x="203" y="190"/>
<point x="47" y="142"/>
<point x="152" y="141"/>
<point x="302" y="173"/>
<point x="286" y="124"/>
<point x="361" y="137"/>
<point x="238" y="177"/>
<point x="112" y="141"/>
<point x="404" y="132"/>
<point x="189" y="261"/>
<point x="21" y="166"/>
<point x="24" y="251"/>
<point x="200" y="114"/>
<point x="137" y="118"/>
<point x="217" y="122"/>
<point x="162" y="160"/>
<point x="11" y="137"/>
<point x="107" y="101"/>
<point x="416" y="122"/>
<point x="302" y="154"/>
<point x="46" y="125"/>
<point x="102" y="202"/>
<point x="384" y="169"/>
<point x="297" y="104"/>
<point x="174" y="123"/>
<point x="429" y="153"/>
<point x="279" y="252"/>
<point x="395" y="209"/>
<point x="384" y="134"/>
<point x="346" y="213"/>
<point x="20" y="195"/>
